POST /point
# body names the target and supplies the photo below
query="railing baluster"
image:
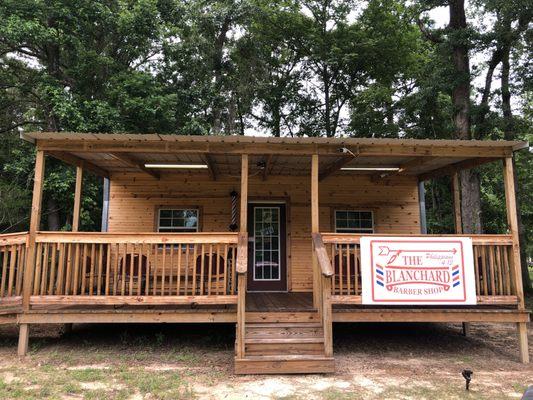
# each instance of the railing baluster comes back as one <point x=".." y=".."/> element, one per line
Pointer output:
<point x="53" y="263"/>
<point x="91" y="273"/>
<point x="37" y="276"/>
<point x="148" y="268"/>
<point x="210" y="270"/>
<point x="123" y="269"/>
<point x="499" y="266"/>
<point x="44" y="274"/>
<point x="484" y="267"/>
<point x="492" y="270"/>
<point x="341" y="266"/>
<point x="195" y="255"/>
<point x="217" y="271"/>
<point x="187" y="265"/>
<point x="178" y="273"/>
<point x="202" y="262"/>
<point x="61" y="269"/>
<point x="163" y="274"/>
<point x="3" y="252"/>
<point x="107" y="268"/>
<point x="80" y="259"/>
<point x="476" y="269"/>
<point x="225" y="271"/>
<point x="155" y="269"/>
<point x="140" y="270"/>
<point x="233" y="266"/>
<point x="507" y="271"/>
<point x="100" y="270"/>
<point x="116" y="268"/>
<point x="131" y="269"/>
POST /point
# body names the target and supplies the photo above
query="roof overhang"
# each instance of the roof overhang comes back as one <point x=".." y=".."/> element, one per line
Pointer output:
<point x="110" y="153"/>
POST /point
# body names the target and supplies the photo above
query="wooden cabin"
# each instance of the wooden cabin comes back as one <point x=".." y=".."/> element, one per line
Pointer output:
<point x="261" y="232"/>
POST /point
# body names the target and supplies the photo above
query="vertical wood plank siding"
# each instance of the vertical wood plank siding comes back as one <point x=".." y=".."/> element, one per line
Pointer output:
<point x="134" y="199"/>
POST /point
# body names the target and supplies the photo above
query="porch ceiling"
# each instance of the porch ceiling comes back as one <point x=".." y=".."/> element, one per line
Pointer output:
<point x="115" y="153"/>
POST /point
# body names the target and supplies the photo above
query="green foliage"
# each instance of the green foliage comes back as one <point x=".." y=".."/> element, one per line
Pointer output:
<point x="286" y="67"/>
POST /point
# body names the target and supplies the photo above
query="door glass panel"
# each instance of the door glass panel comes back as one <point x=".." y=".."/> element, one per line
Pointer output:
<point x="266" y="245"/>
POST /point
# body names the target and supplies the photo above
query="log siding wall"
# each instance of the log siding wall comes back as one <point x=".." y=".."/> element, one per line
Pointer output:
<point x="134" y="199"/>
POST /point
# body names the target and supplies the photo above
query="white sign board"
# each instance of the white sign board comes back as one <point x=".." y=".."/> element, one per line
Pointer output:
<point x="417" y="270"/>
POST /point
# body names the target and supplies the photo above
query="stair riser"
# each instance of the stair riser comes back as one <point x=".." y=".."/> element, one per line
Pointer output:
<point x="284" y="367"/>
<point x="271" y="349"/>
<point x="275" y="332"/>
<point x="283" y="317"/>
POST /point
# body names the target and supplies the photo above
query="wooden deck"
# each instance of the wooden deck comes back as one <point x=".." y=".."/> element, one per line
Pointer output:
<point x="279" y="302"/>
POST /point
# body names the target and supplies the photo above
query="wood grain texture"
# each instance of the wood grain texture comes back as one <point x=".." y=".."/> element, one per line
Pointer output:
<point x="134" y="197"/>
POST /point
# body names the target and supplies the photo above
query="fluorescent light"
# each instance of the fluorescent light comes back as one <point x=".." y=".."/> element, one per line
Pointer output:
<point x="370" y="169"/>
<point x="176" y="166"/>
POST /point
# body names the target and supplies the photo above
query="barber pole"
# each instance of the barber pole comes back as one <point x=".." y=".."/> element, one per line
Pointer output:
<point x="233" y="226"/>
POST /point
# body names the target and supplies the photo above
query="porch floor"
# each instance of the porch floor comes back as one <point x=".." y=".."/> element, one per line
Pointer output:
<point x="279" y="302"/>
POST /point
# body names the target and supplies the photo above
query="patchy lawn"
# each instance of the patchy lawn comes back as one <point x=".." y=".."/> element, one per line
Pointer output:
<point x="374" y="361"/>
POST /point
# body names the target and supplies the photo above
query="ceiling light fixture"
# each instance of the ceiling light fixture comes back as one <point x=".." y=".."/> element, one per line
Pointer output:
<point x="370" y="169"/>
<point x="176" y="166"/>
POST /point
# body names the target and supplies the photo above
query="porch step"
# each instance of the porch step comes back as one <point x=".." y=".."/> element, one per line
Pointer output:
<point x="284" y="347"/>
<point x="287" y="330"/>
<point x="287" y="364"/>
<point x="282" y="317"/>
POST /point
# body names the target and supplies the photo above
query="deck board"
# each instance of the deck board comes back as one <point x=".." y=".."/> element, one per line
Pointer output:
<point x="257" y="302"/>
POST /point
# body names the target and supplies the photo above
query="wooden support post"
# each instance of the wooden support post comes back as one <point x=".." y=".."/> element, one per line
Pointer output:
<point x="327" y="316"/>
<point x="458" y="218"/>
<point x="77" y="200"/>
<point x="244" y="194"/>
<point x="67" y="328"/>
<point x="24" y="336"/>
<point x="512" y="220"/>
<point x="241" y="295"/>
<point x="35" y="222"/>
<point x="315" y="228"/>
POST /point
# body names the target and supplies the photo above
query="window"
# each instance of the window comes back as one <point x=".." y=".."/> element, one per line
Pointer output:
<point x="347" y="221"/>
<point x="177" y="220"/>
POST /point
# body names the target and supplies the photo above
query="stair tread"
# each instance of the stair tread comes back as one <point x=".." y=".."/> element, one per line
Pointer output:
<point x="287" y="357"/>
<point x="284" y="340"/>
<point x="283" y="325"/>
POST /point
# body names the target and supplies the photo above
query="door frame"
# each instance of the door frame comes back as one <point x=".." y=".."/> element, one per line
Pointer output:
<point x="285" y="254"/>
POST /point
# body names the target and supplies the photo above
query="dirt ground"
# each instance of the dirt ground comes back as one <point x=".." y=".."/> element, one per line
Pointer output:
<point x="374" y="361"/>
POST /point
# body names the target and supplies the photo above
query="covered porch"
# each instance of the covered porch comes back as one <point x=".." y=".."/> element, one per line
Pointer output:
<point x="204" y="276"/>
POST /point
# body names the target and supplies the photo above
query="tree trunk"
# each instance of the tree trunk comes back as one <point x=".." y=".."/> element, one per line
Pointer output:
<point x="484" y="107"/>
<point x="52" y="213"/>
<point x="470" y="183"/>
<point x="218" y="55"/>
<point x="327" y="113"/>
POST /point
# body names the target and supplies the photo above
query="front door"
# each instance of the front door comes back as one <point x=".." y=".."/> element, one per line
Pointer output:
<point x="267" y="264"/>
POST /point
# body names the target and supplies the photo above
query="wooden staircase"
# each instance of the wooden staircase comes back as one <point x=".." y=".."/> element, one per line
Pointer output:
<point x="284" y="343"/>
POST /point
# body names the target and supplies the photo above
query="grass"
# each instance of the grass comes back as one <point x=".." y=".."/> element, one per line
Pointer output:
<point x="120" y="362"/>
<point x="117" y="383"/>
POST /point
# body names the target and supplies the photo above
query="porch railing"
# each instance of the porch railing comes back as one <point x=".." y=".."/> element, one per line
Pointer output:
<point x="493" y="264"/>
<point x="12" y="259"/>
<point x="119" y="268"/>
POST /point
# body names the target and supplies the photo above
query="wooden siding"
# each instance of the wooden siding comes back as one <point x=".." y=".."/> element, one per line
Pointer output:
<point x="135" y="197"/>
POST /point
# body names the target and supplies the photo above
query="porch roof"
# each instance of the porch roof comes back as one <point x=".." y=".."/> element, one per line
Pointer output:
<point x="114" y="153"/>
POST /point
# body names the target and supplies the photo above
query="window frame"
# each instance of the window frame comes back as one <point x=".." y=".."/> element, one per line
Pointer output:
<point x="346" y="230"/>
<point x="158" y="210"/>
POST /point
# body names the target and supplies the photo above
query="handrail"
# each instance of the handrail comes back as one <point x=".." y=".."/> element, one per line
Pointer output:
<point x="7" y="239"/>
<point x="492" y="259"/>
<point x="242" y="253"/>
<point x="136" y="238"/>
<point x="322" y="255"/>
<point x="354" y="238"/>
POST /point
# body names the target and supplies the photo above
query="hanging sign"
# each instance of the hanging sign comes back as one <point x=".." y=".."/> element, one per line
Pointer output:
<point x="417" y="270"/>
